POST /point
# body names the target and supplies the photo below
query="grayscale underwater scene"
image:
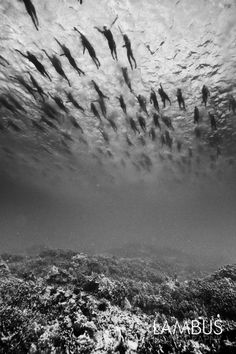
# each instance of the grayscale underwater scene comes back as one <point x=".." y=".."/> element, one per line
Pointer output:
<point x="117" y="175"/>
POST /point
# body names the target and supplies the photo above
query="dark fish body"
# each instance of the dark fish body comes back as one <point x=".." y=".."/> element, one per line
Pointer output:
<point x="133" y="125"/>
<point x="74" y="102"/>
<point x="142" y="123"/>
<point x="95" y="111"/>
<point x="156" y="120"/>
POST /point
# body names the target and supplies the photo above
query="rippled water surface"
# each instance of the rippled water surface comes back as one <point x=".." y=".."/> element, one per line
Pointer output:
<point x="181" y="44"/>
